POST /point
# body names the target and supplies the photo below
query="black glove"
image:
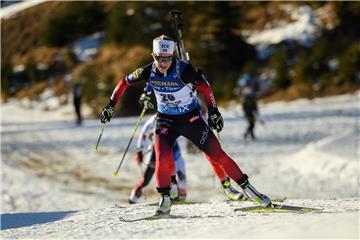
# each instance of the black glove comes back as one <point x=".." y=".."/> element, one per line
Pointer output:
<point x="107" y="112"/>
<point x="215" y="119"/>
<point x="145" y="101"/>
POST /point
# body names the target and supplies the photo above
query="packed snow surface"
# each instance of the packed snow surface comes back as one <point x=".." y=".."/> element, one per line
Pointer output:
<point x="54" y="186"/>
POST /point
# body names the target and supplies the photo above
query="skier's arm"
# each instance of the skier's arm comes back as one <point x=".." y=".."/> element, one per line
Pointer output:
<point x="108" y="111"/>
<point x="119" y="91"/>
<point x="203" y="86"/>
<point x="134" y="77"/>
<point x="199" y="82"/>
<point x="145" y="98"/>
<point x="138" y="75"/>
<point x="215" y="119"/>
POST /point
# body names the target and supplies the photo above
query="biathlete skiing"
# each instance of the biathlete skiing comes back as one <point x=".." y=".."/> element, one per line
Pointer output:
<point x="178" y="192"/>
<point x="176" y="84"/>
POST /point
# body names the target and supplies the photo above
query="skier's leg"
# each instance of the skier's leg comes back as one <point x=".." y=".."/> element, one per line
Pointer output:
<point x="230" y="191"/>
<point x="180" y="172"/>
<point x="252" y="126"/>
<point x="201" y="135"/>
<point x="165" y="137"/>
<point x="144" y="181"/>
<point x="174" y="189"/>
<point x="163" y="169"/>
<point x="77" y="110"/>
<point x="219" y="172"/>
<point x="150" y="169"/>
<point x="248" y="128"/>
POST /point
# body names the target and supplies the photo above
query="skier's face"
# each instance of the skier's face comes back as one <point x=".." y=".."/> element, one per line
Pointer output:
<point x="163" y="61"/>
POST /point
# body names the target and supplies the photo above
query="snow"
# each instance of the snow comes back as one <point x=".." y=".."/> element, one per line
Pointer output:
<point x="87" y="47"/>
<point x="54" y="186"/>
<point x="11" y="10"/>
<point x="303" y="30"/>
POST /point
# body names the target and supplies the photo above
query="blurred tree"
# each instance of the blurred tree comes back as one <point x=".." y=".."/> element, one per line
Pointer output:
<point x="30" y="70"/>
<point x="214" y="46"/>
<point x="349" y="64"/>
<point x="78" y="19"/>
<point x="250" y="67"/>
<point x="301" y="78"/>
<point x="320" y="56"/>
<point x="348" y="13"/>
<point x="278" y="62"/>
<point x="325" y="80"/>
<point x="6" y="73"/>
<point x="133" y="23"/>
<point x="319" y="50"/>
<point x="122" y="24"/>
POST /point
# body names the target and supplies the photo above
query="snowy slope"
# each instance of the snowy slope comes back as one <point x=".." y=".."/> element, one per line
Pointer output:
<point x="54" y="186"/>
<point x="215" y="220"/>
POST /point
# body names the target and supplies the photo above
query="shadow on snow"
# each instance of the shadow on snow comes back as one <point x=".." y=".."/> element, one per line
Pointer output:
<point x="17" y="220"/>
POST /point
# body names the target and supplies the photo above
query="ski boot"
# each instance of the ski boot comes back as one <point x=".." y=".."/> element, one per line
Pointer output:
<point x="254" y="195"/>
<point x="164" y="205"/>
<point x="174" y="191"/>
<point x="182" y="195"/>
<point x="135" y="195"/>
<point x="230" y="191"/>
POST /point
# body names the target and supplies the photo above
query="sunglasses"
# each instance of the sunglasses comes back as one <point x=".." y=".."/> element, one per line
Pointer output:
<point x="162" y="59"/>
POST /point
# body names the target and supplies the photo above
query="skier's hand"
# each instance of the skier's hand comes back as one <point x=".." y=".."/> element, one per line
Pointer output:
<point x="139" y="157"/>
<point x="215" y="119"/>
<point x="145" y="101"/>
<point x="107" y="112"/>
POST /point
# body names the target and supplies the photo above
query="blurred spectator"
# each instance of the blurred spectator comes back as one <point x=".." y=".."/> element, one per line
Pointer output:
<point x="77" y="94"/>
<point x="249" y="105"/>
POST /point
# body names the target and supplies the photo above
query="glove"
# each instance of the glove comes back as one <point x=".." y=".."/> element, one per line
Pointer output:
<point x="107" y="112"/>
<point x="215" y="119"/>
<point x="145" y="102"/>
<point x="139" y="157"/>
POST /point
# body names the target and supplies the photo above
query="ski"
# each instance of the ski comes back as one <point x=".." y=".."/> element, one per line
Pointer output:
<point x="278" y="208"/>
<point x="249" y="200"/>
<point x="147" y="218"/>
<point x="176" y="203"/>
<point x="279" y="200"/>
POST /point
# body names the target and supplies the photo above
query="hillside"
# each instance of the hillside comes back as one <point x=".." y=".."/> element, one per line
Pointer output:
<point x="22" y="33"/>
<point x="286" y="47"/>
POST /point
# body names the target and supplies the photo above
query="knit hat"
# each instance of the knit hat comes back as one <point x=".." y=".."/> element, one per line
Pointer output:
<point x="163" y="44"/>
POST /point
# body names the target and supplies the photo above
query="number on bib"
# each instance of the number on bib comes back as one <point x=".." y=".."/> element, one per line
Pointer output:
<point x="167" y="97"/>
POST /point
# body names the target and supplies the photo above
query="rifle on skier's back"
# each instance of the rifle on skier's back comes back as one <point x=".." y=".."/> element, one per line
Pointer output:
<point x="176" y="17"/>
